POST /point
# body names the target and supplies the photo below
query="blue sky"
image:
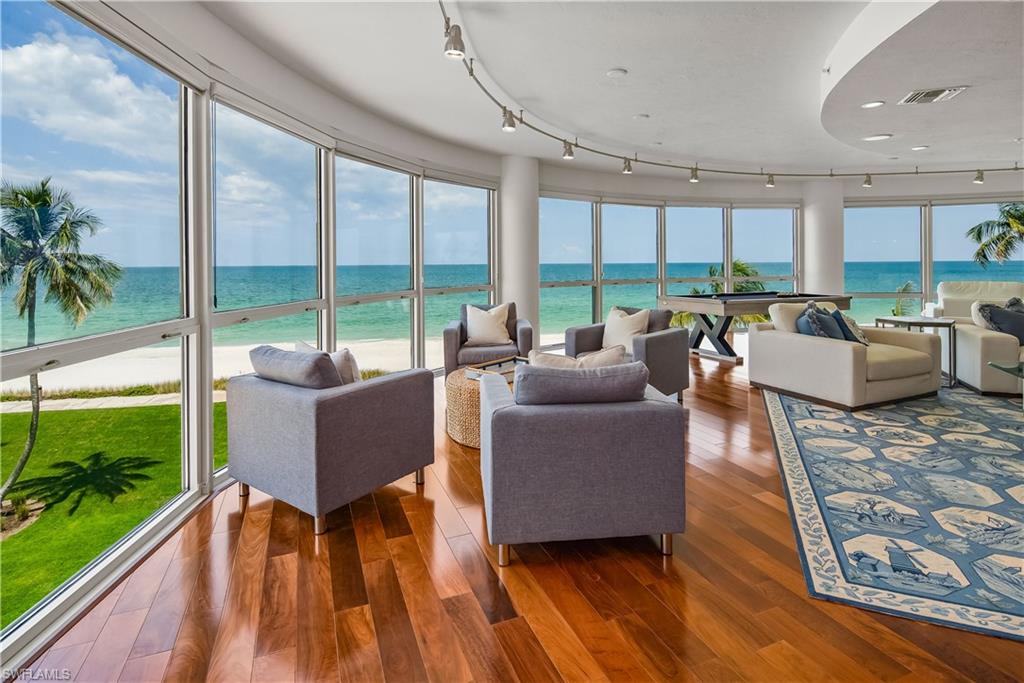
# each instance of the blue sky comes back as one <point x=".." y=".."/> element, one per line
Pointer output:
<point x="104" y="124"/>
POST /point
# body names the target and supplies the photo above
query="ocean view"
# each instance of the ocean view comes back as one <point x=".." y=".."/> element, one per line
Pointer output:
<point x="147" y="295"/>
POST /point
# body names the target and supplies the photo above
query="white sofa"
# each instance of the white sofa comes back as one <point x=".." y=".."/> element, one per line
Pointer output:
<point x="896" y="365"/>
<point x="976" y="346"/>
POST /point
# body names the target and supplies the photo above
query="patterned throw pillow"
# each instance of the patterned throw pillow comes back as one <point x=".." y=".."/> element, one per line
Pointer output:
<point x="851" y="330"/>
<point x="1008" y="319"/>
<point x="816" y="322"/>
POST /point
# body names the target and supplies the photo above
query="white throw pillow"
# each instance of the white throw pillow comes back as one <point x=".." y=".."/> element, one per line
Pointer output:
<point x="621" y="327"/>
<point x="487" y="328"/>
<point x="977" y="317"/>
<point x="599" y="359"/>
<point x="343" y="360"/>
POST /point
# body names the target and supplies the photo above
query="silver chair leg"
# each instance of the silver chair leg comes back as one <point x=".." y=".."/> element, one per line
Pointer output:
<point x="666" y="544"/>
<point x="503" y="555"/>
<point x="420" y="473"/>
<point x="319" y="524"/>
<point x="243" y="490"/>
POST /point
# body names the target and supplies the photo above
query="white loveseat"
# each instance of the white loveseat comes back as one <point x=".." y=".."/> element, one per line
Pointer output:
<point x="896" y="365"/>
<point x="976" y="346"/>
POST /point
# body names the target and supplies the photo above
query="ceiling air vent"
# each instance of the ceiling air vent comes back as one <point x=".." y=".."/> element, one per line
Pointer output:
<point x="934" y="95"/>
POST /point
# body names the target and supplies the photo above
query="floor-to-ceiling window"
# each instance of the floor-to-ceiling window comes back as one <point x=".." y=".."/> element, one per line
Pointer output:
<point x="94" y="316"/>
<point x="265" y="247"/>
<point x="763" y="249"/>
<point x="694" y="249"/>
<point x="374" y="259"/>
<point x="566" y="267"/>
<point x="456" y="257"/>
<point x="954" y="250"/>
<point x="882" y="260"/>
<point x="629" y="256"/>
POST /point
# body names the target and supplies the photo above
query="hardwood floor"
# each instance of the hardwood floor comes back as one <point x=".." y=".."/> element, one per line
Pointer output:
<point x="405" y="587"/>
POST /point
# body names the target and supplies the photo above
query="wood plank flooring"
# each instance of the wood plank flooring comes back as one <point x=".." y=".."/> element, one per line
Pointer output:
<point x="405" y="587"/>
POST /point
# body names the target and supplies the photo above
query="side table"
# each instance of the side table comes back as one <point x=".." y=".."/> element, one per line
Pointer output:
<point x="921" y="322"/>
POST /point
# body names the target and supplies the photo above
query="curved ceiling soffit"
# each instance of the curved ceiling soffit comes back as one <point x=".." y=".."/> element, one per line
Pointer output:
<point x="892" y="49"/>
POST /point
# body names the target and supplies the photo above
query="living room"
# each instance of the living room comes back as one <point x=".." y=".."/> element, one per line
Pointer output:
<point x="512" y="341"/>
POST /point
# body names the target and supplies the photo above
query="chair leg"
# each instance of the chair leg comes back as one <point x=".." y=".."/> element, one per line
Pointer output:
<point x="243" y="490"/>
<point x="319" y="524"/>
<point x="420" y="476"/>
<point x="666" y="544"/>
<point x="503" y="555"/>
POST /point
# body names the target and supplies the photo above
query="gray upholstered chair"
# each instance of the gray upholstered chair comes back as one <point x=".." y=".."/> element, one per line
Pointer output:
<point x="457" y="354"/>
<point x="665" y="350"/>
<point x="320" y="449"/>
<point x="566" y="471"/>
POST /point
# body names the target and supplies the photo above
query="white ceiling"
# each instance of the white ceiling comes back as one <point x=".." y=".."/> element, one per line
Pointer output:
<point x="725" y="83"/>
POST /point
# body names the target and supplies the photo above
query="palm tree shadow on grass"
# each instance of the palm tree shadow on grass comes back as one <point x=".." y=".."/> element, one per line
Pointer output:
<point x="97" y="475"/>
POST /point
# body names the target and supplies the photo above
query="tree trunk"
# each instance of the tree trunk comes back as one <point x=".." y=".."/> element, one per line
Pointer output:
<point x="33" y="426"/>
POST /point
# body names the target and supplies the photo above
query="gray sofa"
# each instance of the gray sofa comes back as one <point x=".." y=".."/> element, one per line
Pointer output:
<point x="320" y="449"/>
<point x="564" y="471"/>
<point x="664" y="349"/>
<point x="457" y="354"/>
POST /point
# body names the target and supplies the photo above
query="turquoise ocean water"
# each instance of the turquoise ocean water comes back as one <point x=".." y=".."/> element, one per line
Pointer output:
<point x="146" y="295"/>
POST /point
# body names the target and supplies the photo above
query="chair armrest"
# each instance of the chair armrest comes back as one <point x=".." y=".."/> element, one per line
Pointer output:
<point x="923" y="342"/>
<point x="831" y="369"/>
<point x="452" y="343"/>
<point x="583" y="339"/>
<point x="524" y="337"/>
<point x="666" y="355"/>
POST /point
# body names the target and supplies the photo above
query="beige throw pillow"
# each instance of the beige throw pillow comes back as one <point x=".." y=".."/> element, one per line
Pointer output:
<point x="343" y="360"/>
<point x="599" y="359"/>
<point x="621" y="327"/>
<point x="487" y="328"/>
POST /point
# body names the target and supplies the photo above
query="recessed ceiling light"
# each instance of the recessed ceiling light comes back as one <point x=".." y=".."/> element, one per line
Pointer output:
<point x="873" y="105"/>
<point x="876" y="137"/>
<point x="617" y="72"/>
<point x="919" y="148"/>
<point x="1018" y="140"/>
<point x="893" y="158"/>
<point x="641" y="117"/>
<point x="657" y="143"/>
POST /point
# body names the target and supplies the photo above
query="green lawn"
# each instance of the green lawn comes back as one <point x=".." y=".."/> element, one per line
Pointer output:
<point x="38" y="559"/>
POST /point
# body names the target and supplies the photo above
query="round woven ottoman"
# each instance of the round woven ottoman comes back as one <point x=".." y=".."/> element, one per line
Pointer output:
<point x="462" y="396"/>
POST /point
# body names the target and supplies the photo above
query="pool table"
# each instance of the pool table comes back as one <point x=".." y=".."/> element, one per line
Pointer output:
<point x="725" y="307"/>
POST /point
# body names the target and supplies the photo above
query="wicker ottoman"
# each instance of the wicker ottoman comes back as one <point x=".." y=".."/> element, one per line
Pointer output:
<point x="462" y="396"/>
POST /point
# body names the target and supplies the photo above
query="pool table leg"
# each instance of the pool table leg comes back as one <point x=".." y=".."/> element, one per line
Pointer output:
<point x="715" y="333"/>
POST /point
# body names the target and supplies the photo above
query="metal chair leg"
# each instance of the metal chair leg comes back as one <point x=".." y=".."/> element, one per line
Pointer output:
<point x="504" y="556"/>
<point x="319" y="524"/>
<point x="243" y="490"/>
<point x="420" y="474"/>
<point x="666" y="544"/>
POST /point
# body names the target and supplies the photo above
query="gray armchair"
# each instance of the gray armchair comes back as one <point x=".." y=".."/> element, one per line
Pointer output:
<point x="457" y="354"/>
<point x="320" y="449"/>
<point x="561" y="471"/>
<point x="664" y="350"/>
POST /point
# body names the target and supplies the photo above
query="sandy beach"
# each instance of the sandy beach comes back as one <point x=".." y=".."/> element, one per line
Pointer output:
<point x="155" y="364"/>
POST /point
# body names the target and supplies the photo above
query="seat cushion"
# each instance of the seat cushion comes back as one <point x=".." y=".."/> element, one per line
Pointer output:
<point x="886" y="361"/>
<point x="471" y="355"/>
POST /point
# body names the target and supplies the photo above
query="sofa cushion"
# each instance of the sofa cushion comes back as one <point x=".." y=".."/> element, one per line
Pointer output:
<point x="471" y="355"/>
<point x="784" y="315"/>
<point x="816" y="322"/>
<point x="885" y="361"/>
<point x="615" y="384"/>
<point x="850" y="329"/>
<point x="621" y="326"/>
<point x="310" y="370"/>
<point x="487" y="327"/>
<point x="593" y="359"/>
<point x="343" y="359"/>
<point x="1003" y="320"/>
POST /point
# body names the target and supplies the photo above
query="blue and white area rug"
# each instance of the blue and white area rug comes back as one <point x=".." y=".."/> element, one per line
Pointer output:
<point x="914" y="509"/>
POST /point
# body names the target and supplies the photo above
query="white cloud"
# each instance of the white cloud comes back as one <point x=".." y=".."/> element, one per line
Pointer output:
<point x="444" y="196"/>
<point x="71" y="87"/>
<point x="109" y="176"/>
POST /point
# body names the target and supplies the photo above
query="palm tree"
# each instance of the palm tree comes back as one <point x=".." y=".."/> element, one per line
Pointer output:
<point x="739" y="269"/>
<point x="98" y="475"/>
<point x="999" y="239"/>
<point x="40" y="246"/>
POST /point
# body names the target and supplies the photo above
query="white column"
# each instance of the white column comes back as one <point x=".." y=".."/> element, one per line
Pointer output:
<point x="823" y="237"/>
<point x="519" y="237"/>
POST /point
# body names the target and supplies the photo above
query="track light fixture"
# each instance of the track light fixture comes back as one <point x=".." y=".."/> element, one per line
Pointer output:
<point x="454" y="48"/>
<point x="508" y="120"/>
